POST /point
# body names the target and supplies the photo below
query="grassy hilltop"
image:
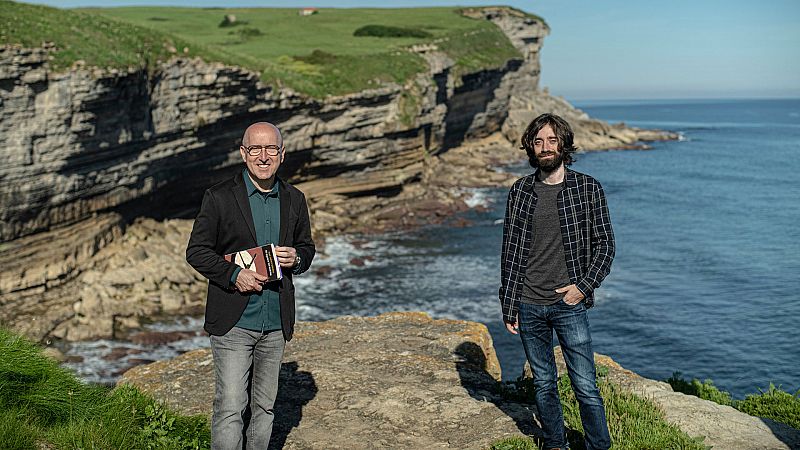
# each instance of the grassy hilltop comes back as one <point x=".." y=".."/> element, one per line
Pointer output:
<point x="317" y="55"/>
<point x="96" y="40"/>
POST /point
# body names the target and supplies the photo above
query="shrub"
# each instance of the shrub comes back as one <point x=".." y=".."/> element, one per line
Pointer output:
<point x="705" y="390"/>
<point x="383" y="31"/>
<point x="318" y="57"/>
<point x="247" y="33"/>
<point x="773" y="404"/>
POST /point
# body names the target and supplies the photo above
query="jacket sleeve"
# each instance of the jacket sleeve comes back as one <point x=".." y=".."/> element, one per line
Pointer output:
<point x="507" y="303"/>
<point x="303" y="243"/>
<point x="201" y="251"/>
<point x="603" y="247"/>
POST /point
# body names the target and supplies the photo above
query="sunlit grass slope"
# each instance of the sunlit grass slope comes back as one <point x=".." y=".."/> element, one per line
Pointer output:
<point x="44" y="406"/>
<point x="97" y="40"/>
<point x="317" y="55"/>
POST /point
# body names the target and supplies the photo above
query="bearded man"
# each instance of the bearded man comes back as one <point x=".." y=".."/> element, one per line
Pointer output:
<point x="558" y="246"/>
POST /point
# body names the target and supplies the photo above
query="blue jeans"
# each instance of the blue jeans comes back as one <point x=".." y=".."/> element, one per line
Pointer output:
<point x="536" y="326"/>
<point x="246" y="368"/>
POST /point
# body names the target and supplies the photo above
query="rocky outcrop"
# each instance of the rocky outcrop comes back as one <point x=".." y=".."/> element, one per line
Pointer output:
<point x="403" y="380"/>
<point x="590" y="134"/>
<point x="91" y="281"/>
<point x="399" y="380"/>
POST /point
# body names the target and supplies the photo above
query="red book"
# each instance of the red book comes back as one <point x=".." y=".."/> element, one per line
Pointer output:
<point x="258" y="259"/>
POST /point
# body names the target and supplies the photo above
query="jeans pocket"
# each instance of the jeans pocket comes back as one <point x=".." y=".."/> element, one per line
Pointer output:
<point x="564" y="304"/>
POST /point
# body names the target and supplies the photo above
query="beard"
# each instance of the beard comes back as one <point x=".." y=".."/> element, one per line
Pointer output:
<point x="545" y="162"/>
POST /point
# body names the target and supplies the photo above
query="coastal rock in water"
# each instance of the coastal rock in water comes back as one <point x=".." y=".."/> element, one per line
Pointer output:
<point x="398" y="380"/>
<point x="590" y="134"/>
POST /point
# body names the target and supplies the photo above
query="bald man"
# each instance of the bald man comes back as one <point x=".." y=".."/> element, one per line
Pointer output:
<point x="250" y="320"/>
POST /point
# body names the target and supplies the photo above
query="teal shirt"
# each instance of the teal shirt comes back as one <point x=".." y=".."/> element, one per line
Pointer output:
<point x="263" y="311"/>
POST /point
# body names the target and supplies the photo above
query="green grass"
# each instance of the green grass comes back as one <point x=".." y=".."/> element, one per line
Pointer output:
<point x="287" y="33"/>
<point x="320" y="73"/>
<point x="42" y="403"/>
<point x="316" y="55"/>
<point x="15" y="431"/>
<point x="773" y="403"/>
<point x="635" y="423"/>
<point x="514" y="443"/>
<point x="705" y="390"/>
<point x="97" y="40"/>
<point x="484" y="48"/>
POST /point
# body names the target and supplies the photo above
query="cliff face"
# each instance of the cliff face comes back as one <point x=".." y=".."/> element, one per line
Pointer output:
<point x="88" y="151"/>
<point x="87" y="140"/>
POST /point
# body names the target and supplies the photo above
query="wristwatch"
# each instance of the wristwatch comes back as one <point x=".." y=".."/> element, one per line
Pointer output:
<point x="296" y="266"/>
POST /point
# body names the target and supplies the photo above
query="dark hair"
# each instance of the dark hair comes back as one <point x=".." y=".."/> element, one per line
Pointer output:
<point x="562" y="130"/>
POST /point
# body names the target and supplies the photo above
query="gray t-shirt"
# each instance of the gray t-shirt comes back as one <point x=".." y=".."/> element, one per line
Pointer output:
<point x="547" y="268"/>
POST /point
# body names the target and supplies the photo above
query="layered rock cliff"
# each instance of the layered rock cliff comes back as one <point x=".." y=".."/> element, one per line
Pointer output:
<point x="88" y="151"/>
<point x="86" y="141"/>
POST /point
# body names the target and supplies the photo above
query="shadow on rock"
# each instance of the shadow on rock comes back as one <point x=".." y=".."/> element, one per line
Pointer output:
<point x="784" y="433"/>
<point x="483" y="387"/>
<point x="295" y="390"/>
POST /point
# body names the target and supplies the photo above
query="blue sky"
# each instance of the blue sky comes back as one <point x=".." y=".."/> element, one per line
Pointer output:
<point x="616" y="49"/>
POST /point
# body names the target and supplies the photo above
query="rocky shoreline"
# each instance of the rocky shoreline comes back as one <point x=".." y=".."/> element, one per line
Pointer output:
<point x="404" y="380"/>
<point x="114" y="277"/>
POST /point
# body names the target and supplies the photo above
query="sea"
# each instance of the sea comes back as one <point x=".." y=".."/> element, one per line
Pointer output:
<point x="706" y="277"/>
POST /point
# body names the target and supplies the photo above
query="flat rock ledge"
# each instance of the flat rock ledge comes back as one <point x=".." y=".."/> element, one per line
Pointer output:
<point x="399" y="380"/>
<point x="404" y="380"/>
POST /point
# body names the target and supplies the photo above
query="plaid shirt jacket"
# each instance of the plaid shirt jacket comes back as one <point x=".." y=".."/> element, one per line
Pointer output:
<point x="585" y="230"/>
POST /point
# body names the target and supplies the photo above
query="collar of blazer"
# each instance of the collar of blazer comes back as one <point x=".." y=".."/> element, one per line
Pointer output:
<point x="240" y="194"/>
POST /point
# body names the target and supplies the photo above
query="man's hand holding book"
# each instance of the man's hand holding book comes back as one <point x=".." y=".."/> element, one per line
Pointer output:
<point x="250" y="281"/>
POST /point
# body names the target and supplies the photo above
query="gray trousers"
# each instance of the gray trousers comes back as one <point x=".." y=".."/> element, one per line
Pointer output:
<point x="246" y="368"/>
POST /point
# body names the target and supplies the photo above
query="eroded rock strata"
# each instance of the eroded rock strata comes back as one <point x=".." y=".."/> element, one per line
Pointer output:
<point x="87" y="140"/>
<point x="88" y="151"/>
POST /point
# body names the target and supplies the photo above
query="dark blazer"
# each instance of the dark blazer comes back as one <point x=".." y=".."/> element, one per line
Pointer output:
<point x="225" y="225"/>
